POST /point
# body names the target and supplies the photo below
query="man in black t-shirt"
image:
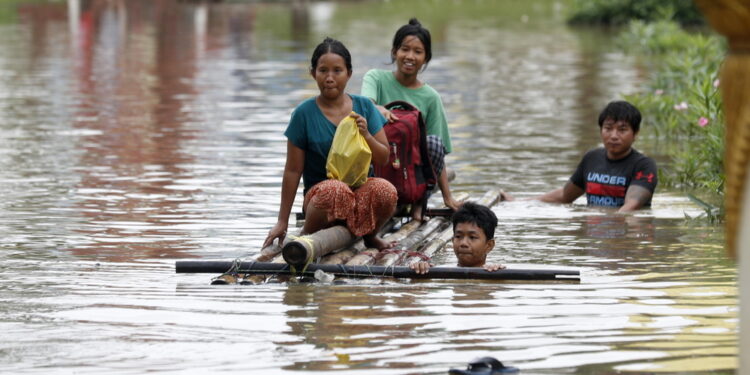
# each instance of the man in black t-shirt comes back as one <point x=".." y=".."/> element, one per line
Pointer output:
<point x="616" y="175"/>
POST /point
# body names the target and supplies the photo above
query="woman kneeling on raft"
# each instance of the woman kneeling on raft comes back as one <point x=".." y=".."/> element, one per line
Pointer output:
<point x="310" y="133"/>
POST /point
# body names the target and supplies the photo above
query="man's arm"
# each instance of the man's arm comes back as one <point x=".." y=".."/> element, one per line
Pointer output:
<point x="635" y="198"/>
<point x="566" y="194"/>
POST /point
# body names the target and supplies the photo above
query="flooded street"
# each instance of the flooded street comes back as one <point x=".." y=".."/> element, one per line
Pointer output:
<point x="137" y="133"/>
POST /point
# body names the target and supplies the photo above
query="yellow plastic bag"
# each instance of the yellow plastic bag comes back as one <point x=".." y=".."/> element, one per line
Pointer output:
<point x="350" y="155"/>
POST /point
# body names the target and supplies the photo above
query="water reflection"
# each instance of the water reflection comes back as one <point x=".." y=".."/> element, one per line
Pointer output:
<point x="619" y="226"/>
<point x="132" y="97"/>
<point x="139" y="132"/>
<point x="337" y="318"/>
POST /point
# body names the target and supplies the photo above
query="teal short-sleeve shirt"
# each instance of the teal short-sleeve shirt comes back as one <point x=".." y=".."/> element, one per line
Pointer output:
<point x="311" y="131"/>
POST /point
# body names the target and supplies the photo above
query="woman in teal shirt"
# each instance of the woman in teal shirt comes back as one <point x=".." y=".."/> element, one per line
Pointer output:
<point x="310" y="135"/>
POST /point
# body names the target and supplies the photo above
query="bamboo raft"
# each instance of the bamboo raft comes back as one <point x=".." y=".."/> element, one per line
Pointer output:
<point x="337" y="252"/>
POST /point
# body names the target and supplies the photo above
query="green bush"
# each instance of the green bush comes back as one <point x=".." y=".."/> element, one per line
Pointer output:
<point x="682" y="103"/>
<point x="620" y="12"/>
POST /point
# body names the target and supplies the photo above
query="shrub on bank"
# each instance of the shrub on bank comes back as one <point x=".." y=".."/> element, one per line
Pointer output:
<point x="681" y="102"/>
<point x="620" y="12"/>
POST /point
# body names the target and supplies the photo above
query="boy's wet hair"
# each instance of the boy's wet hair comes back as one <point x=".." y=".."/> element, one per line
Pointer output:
<point x="413" y="28"/>
<point x="621" y="111"/>
<point x="330" y="45"/>
<point x="477" y="214"/>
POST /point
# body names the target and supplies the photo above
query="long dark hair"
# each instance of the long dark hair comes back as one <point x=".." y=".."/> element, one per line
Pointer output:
<point x="413" y="28"/>
<point x="330" y="45"/>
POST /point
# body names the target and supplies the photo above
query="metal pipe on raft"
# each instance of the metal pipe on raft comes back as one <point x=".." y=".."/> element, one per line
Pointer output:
<point x="191" y="266"/>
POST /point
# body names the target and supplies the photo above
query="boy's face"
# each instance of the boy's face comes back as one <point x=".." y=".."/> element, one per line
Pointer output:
<point x="618" y="138"/>
<point x="471" y="245"/>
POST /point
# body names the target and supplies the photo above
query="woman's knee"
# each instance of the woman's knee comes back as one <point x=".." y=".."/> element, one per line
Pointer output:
<point x="382" y="195"/>
<point x="381" y="188"/>
<point x="332" y="196"/>
<point x="328" y="190"/>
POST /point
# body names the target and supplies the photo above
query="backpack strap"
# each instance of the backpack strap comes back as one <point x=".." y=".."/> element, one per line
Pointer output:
<point x="427" y="170"/>
<point x="401" y="104"/>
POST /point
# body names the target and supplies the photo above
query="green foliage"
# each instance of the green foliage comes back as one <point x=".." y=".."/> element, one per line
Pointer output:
<point x="620" y="12"/>
<point x="653" y="38"/>
<point x="682" y="104"/>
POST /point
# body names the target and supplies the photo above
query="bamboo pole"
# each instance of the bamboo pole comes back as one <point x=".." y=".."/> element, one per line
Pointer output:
<point x="344" y="255"/>
<point x="303" y="250"/>
<point x="430" y="248"/>
<point x="254" y="279"/>
<point x="269" y="252"/>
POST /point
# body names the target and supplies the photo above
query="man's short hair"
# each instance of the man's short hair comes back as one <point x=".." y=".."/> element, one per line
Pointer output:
<point x="477" y="214"/>
<point x="621" y="110"/>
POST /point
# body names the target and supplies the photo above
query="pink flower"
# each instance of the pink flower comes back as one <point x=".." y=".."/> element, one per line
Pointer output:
<point x="658" y="92"/>
<point x="716" y="83"/>
<point x="702" y="122"/>
<point x="681" y="107"/>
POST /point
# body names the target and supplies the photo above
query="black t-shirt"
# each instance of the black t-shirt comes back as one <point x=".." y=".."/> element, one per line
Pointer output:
<point x="606" y="181"/>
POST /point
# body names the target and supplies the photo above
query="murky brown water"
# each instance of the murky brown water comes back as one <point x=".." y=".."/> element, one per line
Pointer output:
<point x="136" y="133"/>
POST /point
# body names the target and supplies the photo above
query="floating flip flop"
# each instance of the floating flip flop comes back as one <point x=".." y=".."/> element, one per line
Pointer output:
<point x="484" y="366"/>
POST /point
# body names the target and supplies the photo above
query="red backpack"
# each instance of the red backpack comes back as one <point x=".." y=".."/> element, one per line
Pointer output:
<point x="409" y="168"/>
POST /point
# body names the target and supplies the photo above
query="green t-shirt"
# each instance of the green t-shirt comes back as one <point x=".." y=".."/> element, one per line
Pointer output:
<point x="381" y="86"/>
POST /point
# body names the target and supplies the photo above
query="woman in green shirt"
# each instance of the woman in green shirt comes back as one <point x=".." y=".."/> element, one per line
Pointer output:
<point x="412" y="51"/>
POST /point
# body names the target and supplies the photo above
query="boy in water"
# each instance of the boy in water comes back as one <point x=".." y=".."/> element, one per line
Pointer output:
<point x="473" y="238"/>
<point x="616" y="175"/>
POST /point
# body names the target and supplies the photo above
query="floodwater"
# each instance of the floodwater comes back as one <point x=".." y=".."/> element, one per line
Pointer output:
<point x="137" y="133"/>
